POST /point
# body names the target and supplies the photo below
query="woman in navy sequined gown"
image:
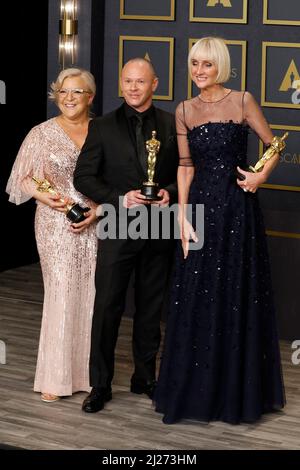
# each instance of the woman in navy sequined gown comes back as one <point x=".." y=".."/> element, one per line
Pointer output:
<point x="221" y="358"/>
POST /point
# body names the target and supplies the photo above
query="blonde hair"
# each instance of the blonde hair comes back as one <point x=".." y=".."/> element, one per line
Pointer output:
<point x="215" y="50"/>
<point x="72" y="72"/>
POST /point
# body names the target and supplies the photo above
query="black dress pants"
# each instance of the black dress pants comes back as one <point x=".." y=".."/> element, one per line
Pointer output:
<point x="117" y="259"/>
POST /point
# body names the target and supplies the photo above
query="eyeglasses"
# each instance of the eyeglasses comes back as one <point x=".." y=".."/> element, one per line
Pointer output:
<point x="73" y="91"/>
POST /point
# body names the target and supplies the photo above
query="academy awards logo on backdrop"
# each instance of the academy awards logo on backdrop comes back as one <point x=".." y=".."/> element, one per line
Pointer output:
<point x="2" y="92"/>
<point x="160" y="52"/>
<point x="222" y="3"/>
<point x="280" y="86"/>
<point x="237" y="50"/>
<point x="219" y="11"/>
<point x="291" y="83"/>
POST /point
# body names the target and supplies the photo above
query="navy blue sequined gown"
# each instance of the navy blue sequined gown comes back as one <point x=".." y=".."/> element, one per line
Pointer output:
<point x="221" y="357"/>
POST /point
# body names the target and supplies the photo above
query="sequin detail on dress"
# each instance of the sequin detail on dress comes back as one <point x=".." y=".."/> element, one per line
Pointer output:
<point x="67" y="262"/>
<point x="221" y="357"/>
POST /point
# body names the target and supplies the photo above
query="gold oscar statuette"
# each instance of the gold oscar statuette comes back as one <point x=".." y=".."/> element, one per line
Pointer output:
<point x="149" y="188"/>
<point x="74" y="212"/>
<point x="276" y="146"/>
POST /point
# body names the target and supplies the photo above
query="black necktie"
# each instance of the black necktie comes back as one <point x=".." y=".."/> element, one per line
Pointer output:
<point x="140" y="142"/>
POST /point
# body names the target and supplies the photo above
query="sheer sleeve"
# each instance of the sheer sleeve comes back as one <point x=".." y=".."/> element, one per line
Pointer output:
<point x="29" y="161"/>
<point x="183" y="145"/>
<point x="253" y="115"/>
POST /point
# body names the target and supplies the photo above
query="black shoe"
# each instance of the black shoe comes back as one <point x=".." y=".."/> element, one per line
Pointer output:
<point x="95" y="401"/>
<point x="147" y="387"/>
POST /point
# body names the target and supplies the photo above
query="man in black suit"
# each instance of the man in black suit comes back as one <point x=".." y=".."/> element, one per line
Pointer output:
<point x="113" y="165"/>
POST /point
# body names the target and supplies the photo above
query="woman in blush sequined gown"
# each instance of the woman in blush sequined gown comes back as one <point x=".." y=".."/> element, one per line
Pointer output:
<point x="221" y="358"/>
<point x="67" y="252"/>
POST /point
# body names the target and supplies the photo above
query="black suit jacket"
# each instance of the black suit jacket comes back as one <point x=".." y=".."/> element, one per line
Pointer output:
<point x="108" y="166"/>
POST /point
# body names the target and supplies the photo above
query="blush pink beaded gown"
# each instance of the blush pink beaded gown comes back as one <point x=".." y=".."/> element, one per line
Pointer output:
<point x="67" y="261"/>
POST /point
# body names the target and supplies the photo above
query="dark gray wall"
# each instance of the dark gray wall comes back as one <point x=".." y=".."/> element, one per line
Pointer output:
<point x="281" y="208"/>
<point x="23" y="69"/>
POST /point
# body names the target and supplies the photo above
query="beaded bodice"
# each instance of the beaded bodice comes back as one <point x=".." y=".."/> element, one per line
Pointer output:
<point x="216" y="148"/>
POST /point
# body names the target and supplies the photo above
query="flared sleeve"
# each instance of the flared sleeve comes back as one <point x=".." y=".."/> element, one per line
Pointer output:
<point x="182" y="140"/>
<point x="29" y="162"/>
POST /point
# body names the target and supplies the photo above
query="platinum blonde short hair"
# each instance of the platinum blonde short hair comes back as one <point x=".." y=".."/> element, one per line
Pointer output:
<point x="72" y="72"/>
<point x="215" y="50"/>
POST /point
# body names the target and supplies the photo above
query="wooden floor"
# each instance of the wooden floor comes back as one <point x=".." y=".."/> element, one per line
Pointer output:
<point x="128" y="421"/>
